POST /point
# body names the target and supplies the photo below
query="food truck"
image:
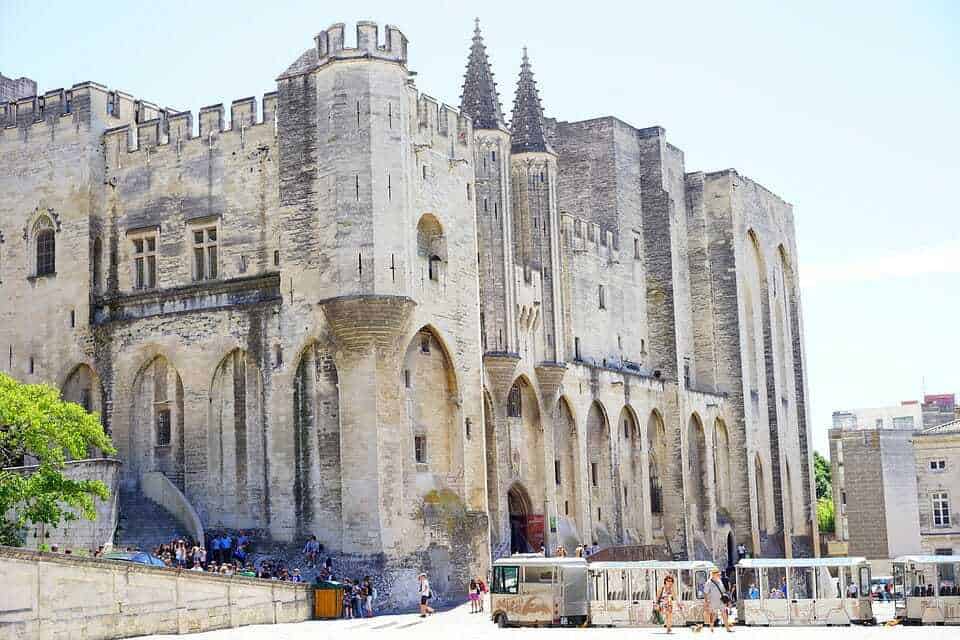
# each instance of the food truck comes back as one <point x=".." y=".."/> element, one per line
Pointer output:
<point x="529" y="590"/>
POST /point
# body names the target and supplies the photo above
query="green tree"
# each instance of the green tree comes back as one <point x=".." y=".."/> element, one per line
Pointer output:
<point x="821" y="474"/>
<point x="825" y="515"/>
<point x="36" y="424"/>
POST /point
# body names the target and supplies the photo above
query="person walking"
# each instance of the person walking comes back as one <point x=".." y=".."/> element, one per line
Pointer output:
<point x="482" y="588"/>
<point x="425" y="595"/>
<point x="715" y="601"/>
<point x="666" y="601"/>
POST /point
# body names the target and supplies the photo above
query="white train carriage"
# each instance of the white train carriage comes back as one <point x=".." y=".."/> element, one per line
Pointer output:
<point x="538" y="591"/>
<point x="926" y="589"/>
<point x="804" y="592"/>
<point x="624" y="593"/>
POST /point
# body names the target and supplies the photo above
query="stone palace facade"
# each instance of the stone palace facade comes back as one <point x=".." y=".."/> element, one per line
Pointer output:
<point x="422" y="333"/>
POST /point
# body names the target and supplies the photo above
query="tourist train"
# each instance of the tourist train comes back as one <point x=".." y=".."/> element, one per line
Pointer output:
<point x="533" y="590"/>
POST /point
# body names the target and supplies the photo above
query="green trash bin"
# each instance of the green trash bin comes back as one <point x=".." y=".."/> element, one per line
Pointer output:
<point x="327" y="600"/>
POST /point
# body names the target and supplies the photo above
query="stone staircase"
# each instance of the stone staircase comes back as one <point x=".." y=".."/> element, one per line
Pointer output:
<point x="143" y="523"/>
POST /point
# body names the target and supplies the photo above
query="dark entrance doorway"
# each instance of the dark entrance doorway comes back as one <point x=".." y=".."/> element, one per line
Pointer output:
<point x="731" y="551"/>
<point x="519" y="505"/>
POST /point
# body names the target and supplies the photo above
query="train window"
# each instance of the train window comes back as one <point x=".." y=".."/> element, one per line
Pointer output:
<point x="802" y="583"/>
<point x="538" y="575"/>
<point x="506" y="580"/>
<point x="899" y="581"/>
<point x="616" y="584"/>
<point x="773" y="582"/>
<point x="865" y="582"/>
<point x="750" y="585"/>
<point x="700" y="579"/>
<point x="828" y="583"/>
<point x="686" y="585"/>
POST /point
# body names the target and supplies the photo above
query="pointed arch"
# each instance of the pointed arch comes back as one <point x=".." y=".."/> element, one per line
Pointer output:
<point x="317" y="478"/>
<point x="155" y="437"/>
<point x="82" y="386"/>
<point x="431" y="245"/>
<point x="43" y="246"/>
<point x="657" y="448"/>
<point x="521" y="508"/>
<point x="631" y="472"/>
<point x="760" y="491"/>
<point x="526" y="437"/>
<point x="698" y="469"/>
<point x="431" y="401"/>
<point x="722" y="472"/>
<point x="568" y="466"/>
<point x="603" y="489"/>
<point x="237" y="441"/>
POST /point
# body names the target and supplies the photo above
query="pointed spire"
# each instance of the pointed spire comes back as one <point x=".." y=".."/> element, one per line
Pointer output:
<point x="527" y="124"/>
<point x="480" y="100"/>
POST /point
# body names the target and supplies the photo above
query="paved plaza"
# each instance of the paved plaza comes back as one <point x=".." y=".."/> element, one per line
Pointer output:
<point x="459" y="623"/>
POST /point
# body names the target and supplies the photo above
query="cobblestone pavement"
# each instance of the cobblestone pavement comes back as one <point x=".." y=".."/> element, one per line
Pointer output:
<point x="459" y="623"/>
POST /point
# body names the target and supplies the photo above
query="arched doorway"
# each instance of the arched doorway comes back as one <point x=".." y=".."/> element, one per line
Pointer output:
<point x="731" y="550"/>
<point x="521" y="537"/>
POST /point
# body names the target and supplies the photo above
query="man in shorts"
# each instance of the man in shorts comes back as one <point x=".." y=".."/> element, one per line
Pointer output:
<point x="713" y="601"/>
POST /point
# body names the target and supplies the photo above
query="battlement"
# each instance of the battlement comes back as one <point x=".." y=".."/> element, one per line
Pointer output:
<point x="436" y="118"/>
<point x="585" y="235"/>
<point x="331" y="44"/>
<point x="176" y="129"/>
<point x="84" y="102"/>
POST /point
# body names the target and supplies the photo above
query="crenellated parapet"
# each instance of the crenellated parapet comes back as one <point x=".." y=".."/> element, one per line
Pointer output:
<point x="86" y="102"/>
<point x="331" y="43"/>
<point x="587" y="236"/>
<point x="438" y="120"/>
<point x="173" y="131"/>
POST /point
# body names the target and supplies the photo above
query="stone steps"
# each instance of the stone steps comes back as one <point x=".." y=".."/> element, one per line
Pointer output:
<point x="143" y="523"/>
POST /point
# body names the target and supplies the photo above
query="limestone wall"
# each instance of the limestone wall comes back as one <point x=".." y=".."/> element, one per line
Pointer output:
<point x="49" y="595"/>
<point x="82" y="535"/>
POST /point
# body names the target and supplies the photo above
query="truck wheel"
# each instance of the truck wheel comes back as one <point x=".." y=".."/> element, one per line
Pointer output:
<point x="502" y="621"/>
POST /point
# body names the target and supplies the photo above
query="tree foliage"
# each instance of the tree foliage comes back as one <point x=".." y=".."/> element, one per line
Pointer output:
<point x="38" y="426"/>
<point x="826" y="517"/>
<point x="822" y="476"/>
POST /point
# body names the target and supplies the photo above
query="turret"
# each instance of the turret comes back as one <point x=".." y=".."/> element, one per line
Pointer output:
<point x="480" y="99"/>
<point x="536" y="229"/>
<point x="481" y="102"/>
<point x="527" y="123"/>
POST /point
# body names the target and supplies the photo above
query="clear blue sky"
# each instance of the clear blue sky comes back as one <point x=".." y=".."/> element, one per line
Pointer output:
<point x="849" y="110"/>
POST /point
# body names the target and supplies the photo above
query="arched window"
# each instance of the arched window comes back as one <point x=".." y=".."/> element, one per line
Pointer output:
<point x="45" y="245"/>
<point x="514" y="404"/>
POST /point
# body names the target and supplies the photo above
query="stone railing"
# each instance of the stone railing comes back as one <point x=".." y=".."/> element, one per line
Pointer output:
<point x="50" y="595"/>
<point x="157" y="487"/>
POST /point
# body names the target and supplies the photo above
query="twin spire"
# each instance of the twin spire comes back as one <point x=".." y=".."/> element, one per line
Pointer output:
<point x="481" y="101"/>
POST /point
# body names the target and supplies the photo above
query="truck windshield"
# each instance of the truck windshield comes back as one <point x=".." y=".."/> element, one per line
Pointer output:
<point x="505" y="579"/>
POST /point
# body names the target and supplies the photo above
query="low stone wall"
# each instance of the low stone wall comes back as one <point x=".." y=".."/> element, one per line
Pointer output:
<point x="51" y="596"/>
<point x="81" y="535"/>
